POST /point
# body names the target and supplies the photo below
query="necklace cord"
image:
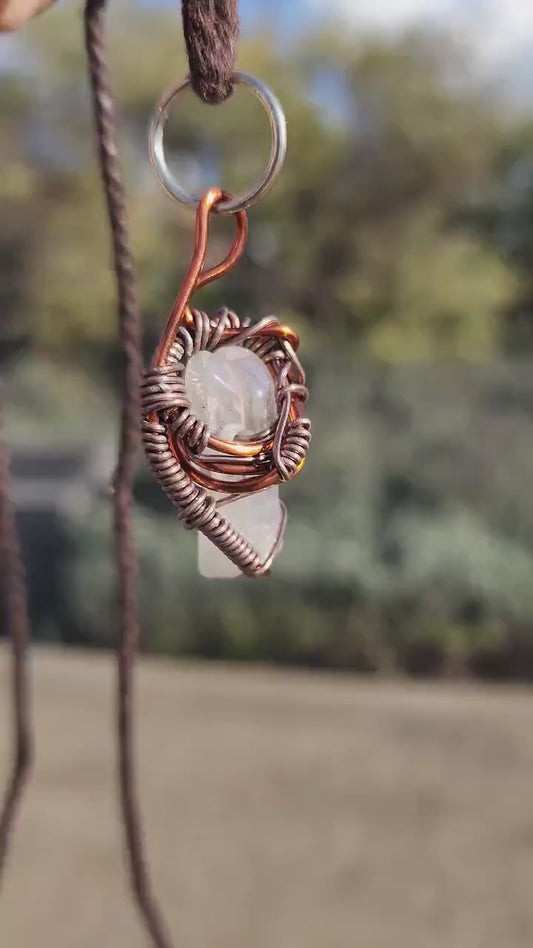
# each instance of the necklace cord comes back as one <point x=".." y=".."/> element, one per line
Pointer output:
<point x="211" y="29"/>
<point x="130" y="332"/>
<point x="211" y="33"/>
<point x="15" y="613"/>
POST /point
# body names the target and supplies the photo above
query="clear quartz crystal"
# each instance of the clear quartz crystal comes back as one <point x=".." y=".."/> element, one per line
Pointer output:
<point x="232" y="391"/>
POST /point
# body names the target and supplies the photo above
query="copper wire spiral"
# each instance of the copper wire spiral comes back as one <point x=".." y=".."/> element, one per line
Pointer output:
<point x="186" y="459"/>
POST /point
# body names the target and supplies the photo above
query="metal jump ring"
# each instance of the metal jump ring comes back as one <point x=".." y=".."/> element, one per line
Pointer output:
<point x="278" y="150"/>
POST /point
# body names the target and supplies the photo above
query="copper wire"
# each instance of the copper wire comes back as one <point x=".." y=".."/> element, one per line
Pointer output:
<point x="196" y="277"/>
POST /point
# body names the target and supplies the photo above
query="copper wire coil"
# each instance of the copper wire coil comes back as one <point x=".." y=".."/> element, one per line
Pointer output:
<point x="250" y="472"/>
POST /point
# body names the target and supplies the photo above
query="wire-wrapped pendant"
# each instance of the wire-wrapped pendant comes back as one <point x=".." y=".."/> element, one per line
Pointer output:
<point x="202" y="473"/>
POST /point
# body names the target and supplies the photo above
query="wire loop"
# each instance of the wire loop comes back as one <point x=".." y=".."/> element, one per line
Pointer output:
<point x="229" y="205"/>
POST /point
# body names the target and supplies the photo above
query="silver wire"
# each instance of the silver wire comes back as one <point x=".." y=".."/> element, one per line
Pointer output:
<point x="278" y="128"/>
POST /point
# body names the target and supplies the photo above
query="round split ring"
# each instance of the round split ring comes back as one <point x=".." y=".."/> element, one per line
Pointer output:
<point x="278" y="150"/>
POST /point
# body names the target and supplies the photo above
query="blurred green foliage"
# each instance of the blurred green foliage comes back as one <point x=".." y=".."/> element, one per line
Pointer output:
<point x="397" y="241"/>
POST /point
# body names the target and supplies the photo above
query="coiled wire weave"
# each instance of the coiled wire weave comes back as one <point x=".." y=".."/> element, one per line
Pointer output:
<point x="169" y="424"/>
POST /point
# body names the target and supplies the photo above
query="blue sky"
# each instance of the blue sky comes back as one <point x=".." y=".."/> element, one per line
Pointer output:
<point x="499" y="32"/>
<point x="286" y="14"/>
<point x="497" y="29"/>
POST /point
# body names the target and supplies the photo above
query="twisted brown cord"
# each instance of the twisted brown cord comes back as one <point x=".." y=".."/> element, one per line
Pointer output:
<point x="211" y="29"/>
<point x="17" y="627"/>
<point x="130" y="337"/>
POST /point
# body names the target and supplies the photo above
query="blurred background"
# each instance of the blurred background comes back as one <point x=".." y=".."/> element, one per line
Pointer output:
<point x="398" y="242"/>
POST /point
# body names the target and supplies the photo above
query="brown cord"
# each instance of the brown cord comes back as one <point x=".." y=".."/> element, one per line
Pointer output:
<point x="17" y="626"/>
<point x="126" y="557"/>
<point x="211" y="29"/>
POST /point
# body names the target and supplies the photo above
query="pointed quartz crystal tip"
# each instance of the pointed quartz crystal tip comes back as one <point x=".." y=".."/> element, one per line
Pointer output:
<point x="232" y="391"/>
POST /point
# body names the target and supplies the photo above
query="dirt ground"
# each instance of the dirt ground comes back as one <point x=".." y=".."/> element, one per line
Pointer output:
<point x="282" y="810"/>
